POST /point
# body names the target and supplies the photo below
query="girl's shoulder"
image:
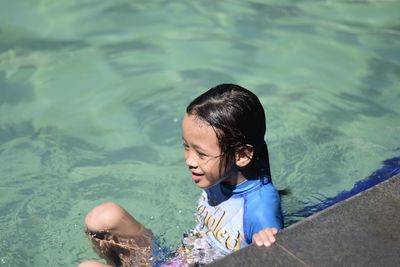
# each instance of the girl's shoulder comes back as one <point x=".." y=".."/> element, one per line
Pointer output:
<point x="267" y="193"/>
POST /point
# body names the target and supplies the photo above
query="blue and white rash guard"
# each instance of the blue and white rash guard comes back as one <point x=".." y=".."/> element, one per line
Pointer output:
<point x="229" y="216"/>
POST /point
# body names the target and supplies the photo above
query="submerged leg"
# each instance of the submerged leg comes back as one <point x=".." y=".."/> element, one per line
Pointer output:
<point x="118" y="237"/>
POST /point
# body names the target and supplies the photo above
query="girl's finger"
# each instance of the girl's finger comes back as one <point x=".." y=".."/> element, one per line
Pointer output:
<point x="274" y="231"/>
<point x="258" y="240"/>
<point x="270" y="236"/>
<point x="265" y="238"/>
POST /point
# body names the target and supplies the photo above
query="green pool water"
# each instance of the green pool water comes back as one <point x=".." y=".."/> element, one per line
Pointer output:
<point x="92" y="94"/>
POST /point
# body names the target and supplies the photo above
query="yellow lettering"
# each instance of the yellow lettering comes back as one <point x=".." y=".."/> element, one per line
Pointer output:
<point x="206" y="221"/>
<point x="233" y="242"/>
<point x="211" y="222"/>
<point x="200" y="209"/>
<point x="221" y="235"/>
<point x="218" y="225"/>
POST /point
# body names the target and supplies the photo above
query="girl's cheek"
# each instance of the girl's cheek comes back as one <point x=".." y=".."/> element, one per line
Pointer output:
<point x="188" y="159"/>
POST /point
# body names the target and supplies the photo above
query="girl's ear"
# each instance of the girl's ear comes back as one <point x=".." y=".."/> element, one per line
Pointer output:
<point x="244" y="155"/>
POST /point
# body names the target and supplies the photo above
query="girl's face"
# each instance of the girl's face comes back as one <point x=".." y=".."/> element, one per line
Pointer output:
<point x="203" y="154"/>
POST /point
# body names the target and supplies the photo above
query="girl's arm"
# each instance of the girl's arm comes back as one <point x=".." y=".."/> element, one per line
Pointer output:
<point x="263" y="217"/>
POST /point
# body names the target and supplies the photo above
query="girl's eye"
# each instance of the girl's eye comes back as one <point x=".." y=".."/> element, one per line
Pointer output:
<point x="185" y="146"/>
<point x="201" y="155"/>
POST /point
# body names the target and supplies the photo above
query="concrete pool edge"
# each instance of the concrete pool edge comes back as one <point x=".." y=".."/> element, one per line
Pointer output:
<point x="363" y="230"/>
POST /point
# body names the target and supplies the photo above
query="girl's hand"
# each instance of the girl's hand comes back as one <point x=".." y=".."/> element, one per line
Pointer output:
<point x="265" y="237"/>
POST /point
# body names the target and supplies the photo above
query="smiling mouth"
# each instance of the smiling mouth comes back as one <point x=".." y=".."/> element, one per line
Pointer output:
<point x="196" y="177"/>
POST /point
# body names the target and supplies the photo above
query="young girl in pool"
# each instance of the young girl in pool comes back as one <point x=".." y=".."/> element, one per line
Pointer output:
<point x="224" y="148"/>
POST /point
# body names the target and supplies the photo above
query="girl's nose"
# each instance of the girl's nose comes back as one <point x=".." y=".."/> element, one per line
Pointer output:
<point x="190" y="162"/>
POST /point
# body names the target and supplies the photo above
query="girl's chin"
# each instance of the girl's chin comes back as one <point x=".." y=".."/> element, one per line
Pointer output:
<point x="205" y="184"/>
<point x="203" y="187"/>
<point x="202" y="184"/>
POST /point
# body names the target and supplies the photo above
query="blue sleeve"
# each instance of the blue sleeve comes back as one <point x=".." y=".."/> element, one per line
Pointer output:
<point x="262" y="209"/>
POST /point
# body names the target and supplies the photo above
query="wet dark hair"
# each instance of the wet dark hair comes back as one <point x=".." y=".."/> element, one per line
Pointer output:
<point x="238" y="119"/>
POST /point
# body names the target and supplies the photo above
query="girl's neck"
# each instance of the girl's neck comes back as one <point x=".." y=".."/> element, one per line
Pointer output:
<point x="235" y="179"/>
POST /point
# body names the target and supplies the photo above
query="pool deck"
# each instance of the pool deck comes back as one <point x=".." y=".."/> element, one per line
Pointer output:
<point x="363" y="230"/>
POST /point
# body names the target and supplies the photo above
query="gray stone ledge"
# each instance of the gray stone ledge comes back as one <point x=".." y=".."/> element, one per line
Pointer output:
<point x="363" y="230"/>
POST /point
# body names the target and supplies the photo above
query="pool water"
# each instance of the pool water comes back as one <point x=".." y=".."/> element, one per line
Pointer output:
<point x="92" y="94"/>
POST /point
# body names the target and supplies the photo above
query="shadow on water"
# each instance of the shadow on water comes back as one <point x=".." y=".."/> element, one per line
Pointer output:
<point x="378" y="79"/>
<point x="13" y="93"/>
<point x="10" y="132"/>
<point x="199" y="76"/>
<point x="131" y="45"/>
<point x="276" y="11"/>
<point x="367" y="106"/>
<point x="116" y="53"/>
<point x="140" y="153"/>
<point x="345" y="37"/>
<point x="37" y="44"/>
<point x="123" y="8"/>
<point x="390" y="168"/>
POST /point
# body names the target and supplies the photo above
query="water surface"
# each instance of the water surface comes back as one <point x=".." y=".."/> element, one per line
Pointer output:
<point x="92" y="94"/>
